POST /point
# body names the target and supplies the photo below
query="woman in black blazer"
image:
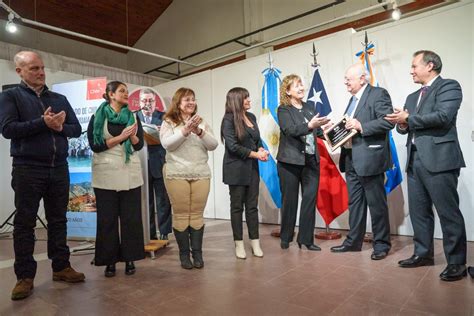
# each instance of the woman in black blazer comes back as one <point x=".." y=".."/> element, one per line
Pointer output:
<point x="298" y="162"/>
<point x="243" y="149"/>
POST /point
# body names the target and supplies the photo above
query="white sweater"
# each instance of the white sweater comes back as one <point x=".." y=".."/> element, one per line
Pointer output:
<point x="187" y="156"/>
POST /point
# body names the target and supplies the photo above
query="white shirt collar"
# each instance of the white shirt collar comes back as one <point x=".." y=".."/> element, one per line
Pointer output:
<point x="359" y="93"/>
<point x="431" y="82"/>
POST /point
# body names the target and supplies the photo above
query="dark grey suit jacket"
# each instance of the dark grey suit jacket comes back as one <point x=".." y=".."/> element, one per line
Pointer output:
<point x="371" y="148"/>
<point x="293" y="131"/>
<point x="156" y="153"/>
<point x="237" y="166"/>
<point x="434" y="125"/>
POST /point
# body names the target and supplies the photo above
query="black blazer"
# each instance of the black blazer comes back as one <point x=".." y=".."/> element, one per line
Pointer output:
<point x="293" y="131"/>
<point x="237" y="166"/>
<point x="371" y="149"/>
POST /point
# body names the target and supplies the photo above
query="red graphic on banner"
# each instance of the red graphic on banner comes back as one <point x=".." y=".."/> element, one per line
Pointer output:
<point x="134" y="99"/>
<point x="96" y="88"/>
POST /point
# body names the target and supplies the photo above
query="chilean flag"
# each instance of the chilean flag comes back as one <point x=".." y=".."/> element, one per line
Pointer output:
<point x="333" y="199"/>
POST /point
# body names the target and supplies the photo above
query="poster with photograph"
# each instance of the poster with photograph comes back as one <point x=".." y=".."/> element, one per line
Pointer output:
<point x="85" y="96"/>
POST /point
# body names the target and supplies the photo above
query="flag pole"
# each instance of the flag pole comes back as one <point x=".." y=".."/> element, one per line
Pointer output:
<point x="368" y="237"/>
<point x="327" y="234"/>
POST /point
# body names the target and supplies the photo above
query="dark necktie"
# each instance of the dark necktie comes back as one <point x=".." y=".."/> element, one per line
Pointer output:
<point x="423" y="91"/>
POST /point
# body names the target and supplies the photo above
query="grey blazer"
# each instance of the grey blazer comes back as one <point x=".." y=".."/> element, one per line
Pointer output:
<point x="371" y="148"/>
<point x="433" y="124"/>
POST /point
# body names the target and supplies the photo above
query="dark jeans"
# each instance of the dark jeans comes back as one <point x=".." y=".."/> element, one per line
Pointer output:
<point x="113" y="245"/>
<point x="291" y="176"/>
<point x="245" y="195"/>
<point x="31" y="184"/>
<point x="157" y="192"/>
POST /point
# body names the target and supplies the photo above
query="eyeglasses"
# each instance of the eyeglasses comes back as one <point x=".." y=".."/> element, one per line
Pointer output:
<point x="147" y="100"/>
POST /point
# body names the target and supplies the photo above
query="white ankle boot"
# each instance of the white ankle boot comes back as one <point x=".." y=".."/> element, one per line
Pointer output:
<point x="256" y="250"/>
<point x="240" y="249"/>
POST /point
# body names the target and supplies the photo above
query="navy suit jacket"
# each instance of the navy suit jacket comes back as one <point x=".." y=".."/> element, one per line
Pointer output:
<point x="156" y="153"/>
<point x="433" y="123"/>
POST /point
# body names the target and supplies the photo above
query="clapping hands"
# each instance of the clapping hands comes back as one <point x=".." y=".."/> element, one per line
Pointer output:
<point x="129" y="131"/>
<point x="192" y="125"/>
<point x="53" y="120"/>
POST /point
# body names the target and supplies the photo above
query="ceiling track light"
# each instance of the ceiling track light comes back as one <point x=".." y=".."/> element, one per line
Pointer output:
<point x="396" y="13"/>
<point x="11" y="26"/>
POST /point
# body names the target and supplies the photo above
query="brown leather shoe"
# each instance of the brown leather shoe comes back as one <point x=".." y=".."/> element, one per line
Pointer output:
<point x="22" y="289"/>
<point x="68" y="275"/>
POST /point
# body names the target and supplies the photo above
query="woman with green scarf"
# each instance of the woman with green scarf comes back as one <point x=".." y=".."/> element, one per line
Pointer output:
<point x="114" y="135"/>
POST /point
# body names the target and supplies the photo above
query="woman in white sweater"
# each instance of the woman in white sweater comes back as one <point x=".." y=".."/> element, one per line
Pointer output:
<point x="187" y="139"/>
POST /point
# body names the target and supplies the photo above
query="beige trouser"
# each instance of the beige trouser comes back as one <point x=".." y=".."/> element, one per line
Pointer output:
<point x="188" y="200"/>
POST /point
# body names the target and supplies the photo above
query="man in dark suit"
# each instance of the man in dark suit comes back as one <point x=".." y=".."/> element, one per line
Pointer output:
<point x="364" y="159"/>
<point x="156" y="160"/>
<point x="433" y="165"/>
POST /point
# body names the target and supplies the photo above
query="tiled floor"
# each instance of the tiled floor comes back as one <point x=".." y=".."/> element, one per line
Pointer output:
<point x="284" y="282"/>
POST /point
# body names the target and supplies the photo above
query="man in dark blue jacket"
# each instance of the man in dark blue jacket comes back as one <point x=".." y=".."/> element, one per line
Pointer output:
<point x="156" y="159"/>
<point x="38" y="122"/>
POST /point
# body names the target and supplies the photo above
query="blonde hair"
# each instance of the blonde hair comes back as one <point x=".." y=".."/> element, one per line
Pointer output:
<point x="285" y="86"/>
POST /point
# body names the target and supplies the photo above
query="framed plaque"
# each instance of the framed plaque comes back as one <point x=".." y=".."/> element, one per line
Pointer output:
<point x="337" y="134"/>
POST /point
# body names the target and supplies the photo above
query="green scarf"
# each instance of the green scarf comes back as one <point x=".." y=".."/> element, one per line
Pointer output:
<point x="124" y="117"/>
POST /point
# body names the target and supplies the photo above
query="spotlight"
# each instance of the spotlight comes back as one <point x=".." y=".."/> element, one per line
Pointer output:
<point x="396" y="13"/>
<point x="11" y="26"/>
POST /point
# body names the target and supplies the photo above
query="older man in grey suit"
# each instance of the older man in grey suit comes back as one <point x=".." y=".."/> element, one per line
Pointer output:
<point x="364" y="159"/>
<point x="433" y="165"/>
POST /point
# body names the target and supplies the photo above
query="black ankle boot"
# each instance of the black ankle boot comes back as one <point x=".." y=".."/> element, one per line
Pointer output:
<point x="109" y="270"/>
<point x="196" y="246"/>
<point x="129" y="268"/>
<point x="182" y="238"/>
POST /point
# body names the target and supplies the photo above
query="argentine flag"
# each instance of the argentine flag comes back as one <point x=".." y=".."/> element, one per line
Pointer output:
<point x="270" y="132"/>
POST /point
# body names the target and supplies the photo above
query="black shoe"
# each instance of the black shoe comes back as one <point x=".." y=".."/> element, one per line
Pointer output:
<point x="284" y="245"/>
<point x="470" y="270"/>
<point x="378" y="255"/>
<point x="163" y="236"/>
<point x="312" y="247"/>
<point x="453" y="272"/>
<point x="196" y="236"/>
<point x="129" y="268"/>
<point x="415" y="261"/>
<point x="182" y="238"/>
<point x="343" y="248"/>
<point x="110" y="271"/>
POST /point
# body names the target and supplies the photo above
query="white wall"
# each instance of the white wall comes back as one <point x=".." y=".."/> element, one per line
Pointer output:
<point x="447" y="30"/>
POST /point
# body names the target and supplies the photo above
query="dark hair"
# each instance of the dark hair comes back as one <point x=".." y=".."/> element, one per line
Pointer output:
<point x="431" y="57"/>
<point x="174" y="113"/>
<point x="112" y="86"/>
<point x="235" y="104"/>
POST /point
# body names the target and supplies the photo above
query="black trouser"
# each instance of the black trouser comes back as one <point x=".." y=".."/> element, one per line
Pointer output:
<point x="247" y="195"/>
<point x="31" y="184"/>
<point x="290" y="178"/>
<point x="157" y="192"/>
<point x="367" y="191"/>
<point x="426" y="188"/>
<point x="113" y="245"/>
